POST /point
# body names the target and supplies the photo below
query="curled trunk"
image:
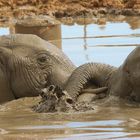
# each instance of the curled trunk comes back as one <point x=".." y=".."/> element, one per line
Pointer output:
<point x="97" y="74"/>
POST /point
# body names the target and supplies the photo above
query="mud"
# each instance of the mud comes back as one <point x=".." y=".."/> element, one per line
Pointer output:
<point x="54" y="99"/>
<point x="15" y="9"/>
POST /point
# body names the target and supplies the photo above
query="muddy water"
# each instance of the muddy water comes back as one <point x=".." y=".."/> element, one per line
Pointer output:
<point x="108" y="43"/>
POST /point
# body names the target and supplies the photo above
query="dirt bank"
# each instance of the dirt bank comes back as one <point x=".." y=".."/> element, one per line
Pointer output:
<point x="67" y="8"/>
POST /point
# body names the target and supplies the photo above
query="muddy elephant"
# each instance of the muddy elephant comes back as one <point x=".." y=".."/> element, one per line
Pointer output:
<point x="29" y="63"/>
<point x="123" y="82"/>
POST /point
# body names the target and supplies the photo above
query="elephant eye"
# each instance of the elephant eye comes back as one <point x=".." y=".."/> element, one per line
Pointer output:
<point x="42" y="58"/>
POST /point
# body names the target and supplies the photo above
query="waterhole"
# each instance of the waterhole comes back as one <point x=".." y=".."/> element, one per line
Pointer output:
<point x="109" y="42"/>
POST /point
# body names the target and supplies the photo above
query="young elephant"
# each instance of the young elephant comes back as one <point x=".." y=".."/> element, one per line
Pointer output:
<point x="29" y="63"/>
<point x="123" y="82"/>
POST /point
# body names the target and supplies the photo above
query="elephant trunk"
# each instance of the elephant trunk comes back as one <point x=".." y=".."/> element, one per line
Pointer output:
<point x="98" y="74"/>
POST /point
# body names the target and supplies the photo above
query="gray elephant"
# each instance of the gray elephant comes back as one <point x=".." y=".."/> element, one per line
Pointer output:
<point x="28" y="64"/>
<point x="123" y="82"/>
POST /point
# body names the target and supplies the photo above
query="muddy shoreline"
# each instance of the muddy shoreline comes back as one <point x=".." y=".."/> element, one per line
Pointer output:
<point x="11" y="10"/>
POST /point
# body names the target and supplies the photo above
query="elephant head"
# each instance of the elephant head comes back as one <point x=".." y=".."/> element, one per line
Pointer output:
<point x="127" y="78"/>
<point x="28" y="63"/>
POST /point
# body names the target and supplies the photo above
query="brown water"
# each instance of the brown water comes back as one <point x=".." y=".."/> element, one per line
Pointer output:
<point x="109" y="43"/>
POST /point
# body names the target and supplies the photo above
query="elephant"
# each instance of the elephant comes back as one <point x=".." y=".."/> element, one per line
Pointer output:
<point x="28" y="64"/>
<point x="123" y="82"/>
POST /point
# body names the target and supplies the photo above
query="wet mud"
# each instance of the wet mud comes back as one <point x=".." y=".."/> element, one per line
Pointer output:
<point x="54" y="99"/>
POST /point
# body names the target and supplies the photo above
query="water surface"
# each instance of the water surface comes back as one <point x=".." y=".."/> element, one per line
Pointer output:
<point x="109" y="43"/>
